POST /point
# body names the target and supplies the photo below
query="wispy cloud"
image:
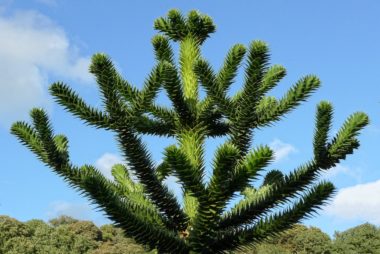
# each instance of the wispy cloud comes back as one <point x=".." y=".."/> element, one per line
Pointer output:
<point x="48" y="2"/>
<point x="80" y="211"/>
<point x="32" y="48"/>
<point x="357" y="202"/>
<point x="281" y="149"/>
<point x="76" y="210"/>
<point x="343" y="170"/>
<point x="105" y="163"/>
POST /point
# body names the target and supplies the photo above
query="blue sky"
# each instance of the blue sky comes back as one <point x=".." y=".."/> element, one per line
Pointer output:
<point x="42" y="41"/>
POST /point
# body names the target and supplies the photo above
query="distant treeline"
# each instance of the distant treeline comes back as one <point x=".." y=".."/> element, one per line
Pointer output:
<point x="65" y="235"/>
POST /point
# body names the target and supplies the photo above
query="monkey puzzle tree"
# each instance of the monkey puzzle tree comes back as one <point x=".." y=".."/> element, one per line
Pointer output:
<point x="146" y="210"/>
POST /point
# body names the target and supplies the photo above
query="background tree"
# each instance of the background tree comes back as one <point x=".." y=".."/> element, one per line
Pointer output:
<point x="310" y="240"/>
<point x="299" y="239"/>
<point x="364" y="238"/>
<point x="10" y="229"/>
<point x="62" y="220"/>
<point x="303" y="240"/>
<point x="146" y="210"/>
<point x="42" y="237"/>
<point x="38" y="237"/>
<point x="268" y="248"/>
<point x="63" y="235"/>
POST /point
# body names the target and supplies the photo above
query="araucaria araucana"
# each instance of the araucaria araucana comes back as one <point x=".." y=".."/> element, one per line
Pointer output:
<point x="145" y="209"/>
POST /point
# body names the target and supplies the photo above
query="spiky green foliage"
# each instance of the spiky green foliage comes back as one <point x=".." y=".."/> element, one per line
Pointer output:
<point x="144" y="208"/>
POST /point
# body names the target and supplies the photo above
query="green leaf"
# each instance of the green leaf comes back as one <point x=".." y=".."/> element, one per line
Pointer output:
<point x="29" y="137"/>
<point x="189" y="54"/>
<point x="172" y="84"/>
<point x="182" y="167"/>
<point x="200" y="26"/>
<point x="271" y="77"/>
<point x="174" y="26"/>
<point x="207" y="78"/>
<point x="162" y="49"/>
<point x="141" y="165"/>
<point x="107" y="78"/>
<point x="75" y="105"/>
<point x="322" y="128"/>
<point x="345" y="140"/>
<point x="295" y="95"/>
<point x="230" y="66"/>
<point x="274" y="224"/>
<point x="149" y="91"/>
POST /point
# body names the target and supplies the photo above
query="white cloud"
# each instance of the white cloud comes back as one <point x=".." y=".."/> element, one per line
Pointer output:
<point x="361" y="201"/>
<point x="281" y="150"/>
<point x="78" y="211"/>
<point x="105" y="163"/>
<point x="343" y="170"/>
<point x="32" y="47"/>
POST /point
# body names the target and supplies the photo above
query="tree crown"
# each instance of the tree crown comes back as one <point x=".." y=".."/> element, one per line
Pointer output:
<point x="146" y="210"/>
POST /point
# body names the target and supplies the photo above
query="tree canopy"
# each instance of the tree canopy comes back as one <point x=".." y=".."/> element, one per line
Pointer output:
<point x="63" y="235"/>
<point x="364" y="238"/>
<point x="146" y="209"/>
<point x="66" y="235"/>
